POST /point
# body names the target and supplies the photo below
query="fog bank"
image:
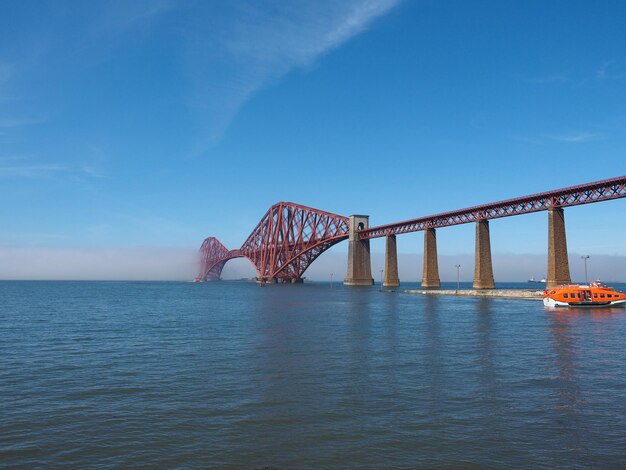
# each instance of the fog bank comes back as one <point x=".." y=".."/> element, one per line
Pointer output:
<point x="149" y="264"/>
<point x="162" y="264"/>
<point x="506" y="267"/>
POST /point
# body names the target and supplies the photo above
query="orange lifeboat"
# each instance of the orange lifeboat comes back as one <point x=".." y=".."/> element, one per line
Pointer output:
<point x="593" y="295"/>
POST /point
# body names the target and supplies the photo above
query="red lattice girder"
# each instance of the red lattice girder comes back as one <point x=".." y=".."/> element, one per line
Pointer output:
<point x="213" y="257"/>
<point x="290" y="237"/>
<point x="282" y="246"/>
<point x="597" y="191"/>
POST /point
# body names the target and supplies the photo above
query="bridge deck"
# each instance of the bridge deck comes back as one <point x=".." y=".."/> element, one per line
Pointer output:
<point x="597" y="191"/>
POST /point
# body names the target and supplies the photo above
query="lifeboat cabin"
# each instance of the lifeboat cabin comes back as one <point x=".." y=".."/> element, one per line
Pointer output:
<point x="593" y="295"/>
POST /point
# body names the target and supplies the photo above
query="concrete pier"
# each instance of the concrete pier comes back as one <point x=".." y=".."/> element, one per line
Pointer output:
<point x="391" y="263"/>
<point x="521" y="294"/>
<point x="430" y="275"/>
<point x="558" y="264"/>
<point x="483" y="269"/>
<point x="359" y="264"/>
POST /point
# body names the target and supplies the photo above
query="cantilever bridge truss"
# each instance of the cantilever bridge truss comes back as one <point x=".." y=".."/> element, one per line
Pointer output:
<point x="282" y="246"/>
<point x="290" y="237"/>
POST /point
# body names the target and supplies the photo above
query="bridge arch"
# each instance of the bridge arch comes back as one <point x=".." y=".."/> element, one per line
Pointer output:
<point x="282" y="246"/>
<point x="213" y="256"/>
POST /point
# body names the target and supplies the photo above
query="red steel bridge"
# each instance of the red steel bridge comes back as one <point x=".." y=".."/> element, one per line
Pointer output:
<point x="282" y="246"/>
<point x="291" y="236"/>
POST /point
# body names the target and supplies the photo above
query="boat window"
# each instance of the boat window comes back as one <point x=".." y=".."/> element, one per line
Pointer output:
<point x="595" y="295"/>
<point x="609" y="295"/>
<point x="566" y="295"/>
<point x="602" y="296"/>
<point x="578" y="294"/>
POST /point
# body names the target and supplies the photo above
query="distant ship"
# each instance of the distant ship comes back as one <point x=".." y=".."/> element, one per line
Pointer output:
<point x="532" y="279"/>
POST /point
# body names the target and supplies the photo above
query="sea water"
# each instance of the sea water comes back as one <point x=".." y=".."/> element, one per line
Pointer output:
<point x="233" y="375"/>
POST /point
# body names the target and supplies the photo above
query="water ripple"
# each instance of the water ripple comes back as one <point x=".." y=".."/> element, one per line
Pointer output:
<point x="228" y="375"/>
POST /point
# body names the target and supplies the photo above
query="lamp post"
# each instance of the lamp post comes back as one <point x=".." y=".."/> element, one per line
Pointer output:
<point x="381" y="278"/>
<point x="585" y="257"/>
<point x="458" y="269"/>
<point x="331" y="280"/>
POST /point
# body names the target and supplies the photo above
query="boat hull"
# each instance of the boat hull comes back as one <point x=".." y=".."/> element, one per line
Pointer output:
<point x="583" y="296"/>
<point x="548" y="302"/>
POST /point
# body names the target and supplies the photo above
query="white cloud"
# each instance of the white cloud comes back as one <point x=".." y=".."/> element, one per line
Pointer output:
<point x="31" y="171"/>
<point x="130" y="13"/>
<point x="22" y="167"/>
<point x="6" y="71"/>
<point x="259" y="43"/>
<point x="607" y="71"/>
<point x="121" y="16"/>
<point x="11" y="158"/>
<point x="231" y="50"/>
<point x="576" y="138"/>
<point x="93" y="171"/>
<point x="19" y="122"/>
<point x="549" y="79"/>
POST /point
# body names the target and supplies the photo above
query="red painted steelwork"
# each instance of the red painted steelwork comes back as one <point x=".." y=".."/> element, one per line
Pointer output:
<point x="282" y="246"/>
<point x="614" y="188"/>
<point x="213" y="257"/>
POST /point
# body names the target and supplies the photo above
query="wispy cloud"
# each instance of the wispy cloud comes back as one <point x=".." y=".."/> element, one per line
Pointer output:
<point x="121" y="16"/>
<point x="230" y="50"/>
<point x="575" y="138"/>
<point x="260" y="43"/>
<point x="22" y="167"/>
<point x="6" y="71"/>
<point x="609" y="71"/>
<point x="130" y="13"/>
<point x="93" y="171"/>
<point x="31" y="171"/>
<point x="10" y="122"/>
<point x="549" y="79"/>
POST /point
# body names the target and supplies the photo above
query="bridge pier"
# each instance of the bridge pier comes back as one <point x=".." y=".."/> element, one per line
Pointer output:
<point x="391" y="263"/>
<point x="483" y="269"/>
<point x="558" y="264"/>
<point x="430" y="275"/>
<point x="359" y="263"/>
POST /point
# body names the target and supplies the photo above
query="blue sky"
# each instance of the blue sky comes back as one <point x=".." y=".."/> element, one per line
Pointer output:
<point x="133" y="130"/>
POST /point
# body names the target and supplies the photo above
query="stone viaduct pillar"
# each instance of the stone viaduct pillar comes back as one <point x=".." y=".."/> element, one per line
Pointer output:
<point x="359" y="264"/>
<point x="391" y="263"/>
<point x="558" y="265"/>
<point x="430" y="276"/>
<point x="483" y="269"/>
